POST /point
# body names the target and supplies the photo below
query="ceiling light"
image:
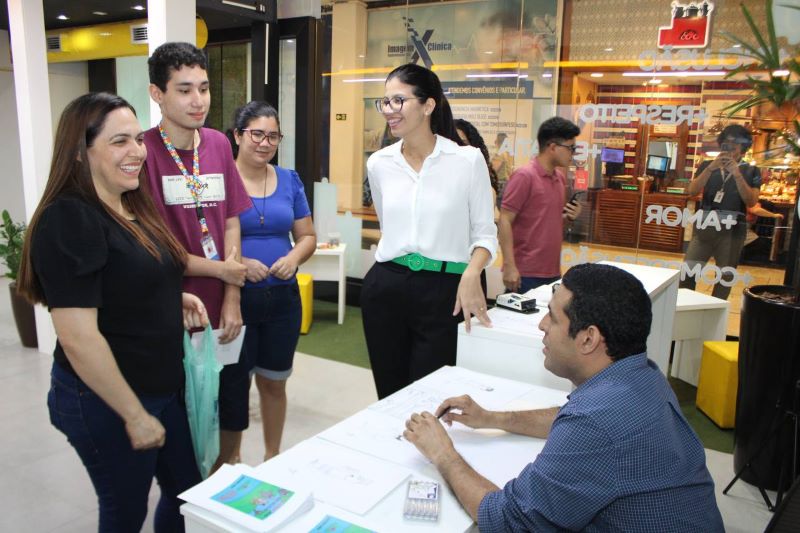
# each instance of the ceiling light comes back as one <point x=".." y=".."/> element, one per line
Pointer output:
<point x="780" y="73"/>
<point x="62" y="17"/>
<point x="654" y="81"/>
<point x="596" y="74"/>
<point x="713" y="153"/>
<point x="609" y="49"/>
<point x="674" y="74"/>
<point x="104" y="34"/>
<point x="547" y="74"/>
<point x="737" y="45"/>
<point x="499" y="75"/>
<point x="99" y="13"/>
<point x="364" y="80"/>
<point x="138" y="8"/>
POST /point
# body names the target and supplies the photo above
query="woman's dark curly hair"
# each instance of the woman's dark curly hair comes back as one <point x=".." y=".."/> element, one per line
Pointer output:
<point x="475" y="139"/>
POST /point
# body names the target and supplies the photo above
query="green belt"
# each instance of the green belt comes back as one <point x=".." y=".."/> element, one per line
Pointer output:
<point x="417" y="262"/>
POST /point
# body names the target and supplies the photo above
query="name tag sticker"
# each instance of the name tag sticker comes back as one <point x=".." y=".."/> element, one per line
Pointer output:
<point x="719" y="196"/>
<point x="176" y="192"/>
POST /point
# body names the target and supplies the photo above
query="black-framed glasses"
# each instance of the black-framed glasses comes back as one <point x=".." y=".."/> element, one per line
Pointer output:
<point x="395" y="103"/>
<point x="571" y="147"/>
<point x="258" y="136"/>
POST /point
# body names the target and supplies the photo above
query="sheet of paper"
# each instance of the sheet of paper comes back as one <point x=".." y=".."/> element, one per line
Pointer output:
<point x="324" y="518"/>
<point x="376" y="434"/>
<point x="227" y="354"/>
<point x="336" y="475"/>
<point x="495" y="454"/>
<point x="543" y="294"/>
<point x="491" y="392"/>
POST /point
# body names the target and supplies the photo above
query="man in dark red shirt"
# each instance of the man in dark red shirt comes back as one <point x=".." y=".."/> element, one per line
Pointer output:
<point x="533" y="208"/>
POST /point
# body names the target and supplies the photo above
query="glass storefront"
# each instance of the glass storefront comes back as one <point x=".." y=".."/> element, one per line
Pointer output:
<point x="649" y="107"/>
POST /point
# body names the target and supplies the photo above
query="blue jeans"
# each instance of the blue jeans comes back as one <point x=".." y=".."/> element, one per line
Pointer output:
<point x="121" y="476"/>
<point x="272" y="316"/>
<point x="527" y="284"/>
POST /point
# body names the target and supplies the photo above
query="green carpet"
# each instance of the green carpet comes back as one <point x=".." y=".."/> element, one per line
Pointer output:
<point x="346" y="344"/>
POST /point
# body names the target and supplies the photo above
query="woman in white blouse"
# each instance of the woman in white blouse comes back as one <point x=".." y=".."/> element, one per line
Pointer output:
<point x="434" y="203"/>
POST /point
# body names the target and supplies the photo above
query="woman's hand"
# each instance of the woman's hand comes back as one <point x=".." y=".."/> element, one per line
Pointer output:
<point x="470" y="300"/>
<point x="194" y="312"/>
<point x="256" y="270"/>
<point x="145" y="431"/>
<point x="284" y="268"/>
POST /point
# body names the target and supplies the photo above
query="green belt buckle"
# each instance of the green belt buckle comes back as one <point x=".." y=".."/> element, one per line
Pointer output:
<point x="415" y="262"/>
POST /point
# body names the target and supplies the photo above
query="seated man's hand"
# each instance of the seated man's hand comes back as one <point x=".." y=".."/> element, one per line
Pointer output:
<point x="472" y="414"/>
<point x="429" y="436"/>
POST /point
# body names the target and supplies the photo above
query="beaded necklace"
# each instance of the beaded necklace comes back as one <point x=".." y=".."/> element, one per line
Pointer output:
<point x="193" y="183"/>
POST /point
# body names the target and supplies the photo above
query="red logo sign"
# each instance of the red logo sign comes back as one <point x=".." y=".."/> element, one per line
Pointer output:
<point x="690" y="26"/>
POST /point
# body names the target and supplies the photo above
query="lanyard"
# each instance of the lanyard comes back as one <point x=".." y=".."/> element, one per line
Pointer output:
<point x="193" y="182"/>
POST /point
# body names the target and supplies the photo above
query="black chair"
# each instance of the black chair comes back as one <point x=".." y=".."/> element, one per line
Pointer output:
<point x="787" y="516"/>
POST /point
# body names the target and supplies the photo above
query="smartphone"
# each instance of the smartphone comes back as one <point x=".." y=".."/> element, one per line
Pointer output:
<point x="574" y="196"/>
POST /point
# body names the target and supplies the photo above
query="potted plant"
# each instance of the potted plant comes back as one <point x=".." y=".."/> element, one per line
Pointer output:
<point x="769" y="340"/>
<point x="11" y="239"/>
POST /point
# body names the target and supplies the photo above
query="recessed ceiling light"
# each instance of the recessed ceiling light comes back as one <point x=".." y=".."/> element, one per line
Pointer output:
<point x="737" y="45"/>
<point x="62" y="17"/>
<point x="654" y="81"/>
<point x="779" y="73"/>
<point x="596" y="74"/>
<point x="547" y="74"/>
<point x="488" y="52"/>
<point x="609" y="49"/>
<point x="138" y="8"/>
<point x="99" y="13"/>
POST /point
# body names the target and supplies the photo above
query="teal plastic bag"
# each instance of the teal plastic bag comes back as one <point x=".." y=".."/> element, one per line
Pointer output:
<point x="202" y="395"/>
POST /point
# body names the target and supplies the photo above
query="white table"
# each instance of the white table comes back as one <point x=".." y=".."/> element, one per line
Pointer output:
<point x="698" y="318"/>
<point x="327" y="264"/>
<point x="377" y="441"/>
<point x="514" y="350"/>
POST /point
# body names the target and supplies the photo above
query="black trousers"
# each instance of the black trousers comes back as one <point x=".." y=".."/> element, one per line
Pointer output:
<point x="408" y="323"/>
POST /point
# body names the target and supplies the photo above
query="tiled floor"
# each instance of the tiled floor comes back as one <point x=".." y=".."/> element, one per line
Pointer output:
<point x="45" y="488"/>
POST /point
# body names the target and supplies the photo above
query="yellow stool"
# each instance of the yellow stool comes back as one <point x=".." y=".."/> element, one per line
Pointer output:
<point x="306" y="284"/>
<point x="719" y="379"/>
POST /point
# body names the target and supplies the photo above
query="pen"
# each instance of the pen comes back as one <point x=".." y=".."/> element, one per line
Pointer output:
<point x="446" y="410"/>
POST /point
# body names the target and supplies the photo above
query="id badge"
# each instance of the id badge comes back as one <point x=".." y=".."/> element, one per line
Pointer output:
<point x="719" y="196"/>
<point x="209" y="248"/>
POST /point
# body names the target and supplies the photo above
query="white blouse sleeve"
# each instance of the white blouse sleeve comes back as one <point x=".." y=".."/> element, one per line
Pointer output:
<point x="482" y="229"/>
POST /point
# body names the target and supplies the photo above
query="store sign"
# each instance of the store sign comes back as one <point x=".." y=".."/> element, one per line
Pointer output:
<point x="421" y="45"/>
<point x="500" y="89"/>
<point x="644" y="114"/>
<point x="690" y="26"/>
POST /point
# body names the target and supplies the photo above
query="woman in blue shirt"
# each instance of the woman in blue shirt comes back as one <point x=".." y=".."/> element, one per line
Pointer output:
<point x="270" y="298"/>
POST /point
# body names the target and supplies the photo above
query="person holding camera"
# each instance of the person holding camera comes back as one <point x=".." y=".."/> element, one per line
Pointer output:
<point x="729" y="187"/>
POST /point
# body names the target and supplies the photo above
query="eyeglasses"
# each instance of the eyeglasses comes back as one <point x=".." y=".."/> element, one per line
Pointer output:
<point x="571" y="147"/>
<point x="557" y="284"/>
<point x="258" y="136"/>
<point x="395" y="103"/>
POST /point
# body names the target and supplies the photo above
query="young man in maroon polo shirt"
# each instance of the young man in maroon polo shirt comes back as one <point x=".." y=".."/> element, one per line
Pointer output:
<point x="197" y="189"/>
<point x="533" y="210"/>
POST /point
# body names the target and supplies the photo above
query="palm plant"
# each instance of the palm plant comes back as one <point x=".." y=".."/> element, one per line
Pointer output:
<point x="11" y="238"/>
<point x="777" y="90"/>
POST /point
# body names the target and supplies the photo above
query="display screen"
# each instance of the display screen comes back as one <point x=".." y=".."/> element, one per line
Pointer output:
<point x="612" y="155"/>
<point x="658" y="163"/>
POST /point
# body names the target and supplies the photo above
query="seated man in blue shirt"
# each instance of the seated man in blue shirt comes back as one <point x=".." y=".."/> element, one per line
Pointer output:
<point x="619" y="454"/>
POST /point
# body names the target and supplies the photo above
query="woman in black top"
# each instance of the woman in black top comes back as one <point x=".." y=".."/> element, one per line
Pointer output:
<point x="98" y="255"/>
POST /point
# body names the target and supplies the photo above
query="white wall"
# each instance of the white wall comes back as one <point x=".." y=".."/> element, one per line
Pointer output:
<point x="67" y="81"/>
<point x="132" y="84"/>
